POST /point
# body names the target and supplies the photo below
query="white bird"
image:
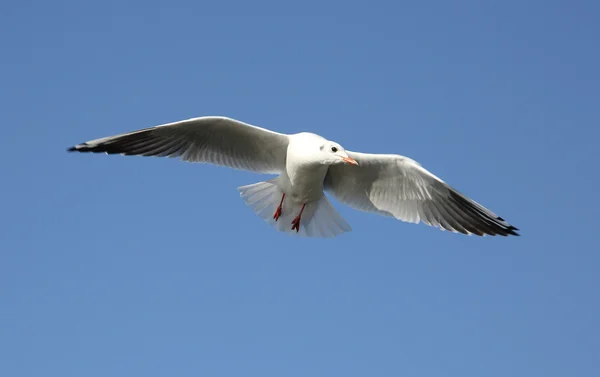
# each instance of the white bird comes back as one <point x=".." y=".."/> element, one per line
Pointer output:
<point x="307" y="164"/>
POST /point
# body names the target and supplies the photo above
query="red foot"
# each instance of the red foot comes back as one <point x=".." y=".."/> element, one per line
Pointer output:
<point x="296" y="221"/>
<point x="277" y="213"/>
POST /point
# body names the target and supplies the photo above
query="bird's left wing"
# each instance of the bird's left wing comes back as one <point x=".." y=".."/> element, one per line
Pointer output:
<point x="217" y="140"/>
<point x="397" y="186"/>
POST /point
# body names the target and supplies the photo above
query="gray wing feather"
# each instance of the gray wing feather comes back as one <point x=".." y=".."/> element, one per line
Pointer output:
<point x="216" y="140"/>
<point x="394" y="185"/>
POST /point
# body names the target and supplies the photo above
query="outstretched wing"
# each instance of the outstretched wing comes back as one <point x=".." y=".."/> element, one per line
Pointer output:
<point x="216" y="140"/>
<point x="397" y="186"/>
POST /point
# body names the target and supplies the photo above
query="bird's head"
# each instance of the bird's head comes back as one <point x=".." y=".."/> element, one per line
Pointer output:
<point x="334" y="154"/>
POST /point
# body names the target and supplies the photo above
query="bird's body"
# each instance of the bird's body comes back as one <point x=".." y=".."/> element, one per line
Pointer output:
<point x="307" y="165"/>
<point x="303" y="177"/>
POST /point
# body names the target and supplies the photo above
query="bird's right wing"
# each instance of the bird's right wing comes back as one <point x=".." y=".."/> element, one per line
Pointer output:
<point x="397" y="186"/>
<point x="217" y="140"/>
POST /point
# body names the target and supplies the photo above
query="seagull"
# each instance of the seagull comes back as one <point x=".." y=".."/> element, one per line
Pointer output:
<point x="307" y="165"/>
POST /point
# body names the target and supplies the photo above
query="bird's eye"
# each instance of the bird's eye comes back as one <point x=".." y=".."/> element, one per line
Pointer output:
<point x="333" y="149"/>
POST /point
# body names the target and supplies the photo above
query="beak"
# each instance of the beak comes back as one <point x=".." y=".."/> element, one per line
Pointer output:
<point x="350" y="160"/>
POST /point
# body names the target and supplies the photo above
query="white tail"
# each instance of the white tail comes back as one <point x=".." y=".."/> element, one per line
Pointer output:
<point x="319" y="218"/>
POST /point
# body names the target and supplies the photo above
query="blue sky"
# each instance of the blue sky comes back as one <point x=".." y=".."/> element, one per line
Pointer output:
<point x="115" y="266"/>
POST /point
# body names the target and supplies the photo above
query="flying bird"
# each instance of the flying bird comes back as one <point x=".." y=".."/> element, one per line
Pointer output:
<point x="307" y="165"/>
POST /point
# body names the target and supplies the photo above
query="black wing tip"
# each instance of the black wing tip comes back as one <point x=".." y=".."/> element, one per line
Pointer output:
<point x="504" y="231"/>
<point x="83" y="147"/>
<point x="512" y="231"/>
<point x="496" y="225"/>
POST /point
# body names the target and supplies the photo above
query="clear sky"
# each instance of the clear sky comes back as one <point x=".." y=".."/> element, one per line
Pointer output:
<point x="130" y="266"/>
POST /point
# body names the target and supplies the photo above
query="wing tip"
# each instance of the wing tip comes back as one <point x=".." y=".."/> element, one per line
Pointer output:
<point x="512" y="231"/>
<point x="491" y="224"/>
<point x="505" y="228"/>
<point x="83" y="147"/>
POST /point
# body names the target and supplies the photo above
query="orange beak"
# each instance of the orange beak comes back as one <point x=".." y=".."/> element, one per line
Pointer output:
<point x="350" y="160"/>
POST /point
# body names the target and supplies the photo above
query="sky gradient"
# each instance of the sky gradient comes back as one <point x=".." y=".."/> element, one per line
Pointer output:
<point x="130" y="266"/>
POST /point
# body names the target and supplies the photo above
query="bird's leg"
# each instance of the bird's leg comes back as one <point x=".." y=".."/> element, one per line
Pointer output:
<point x="277" y="213"/>
<point x="296" y="221"/>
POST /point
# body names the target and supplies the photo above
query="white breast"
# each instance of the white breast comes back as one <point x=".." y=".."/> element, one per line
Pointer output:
<point x="304" y="171"/>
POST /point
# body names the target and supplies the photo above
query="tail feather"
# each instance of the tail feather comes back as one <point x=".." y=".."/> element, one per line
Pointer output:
<point x="319" y="218"/>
